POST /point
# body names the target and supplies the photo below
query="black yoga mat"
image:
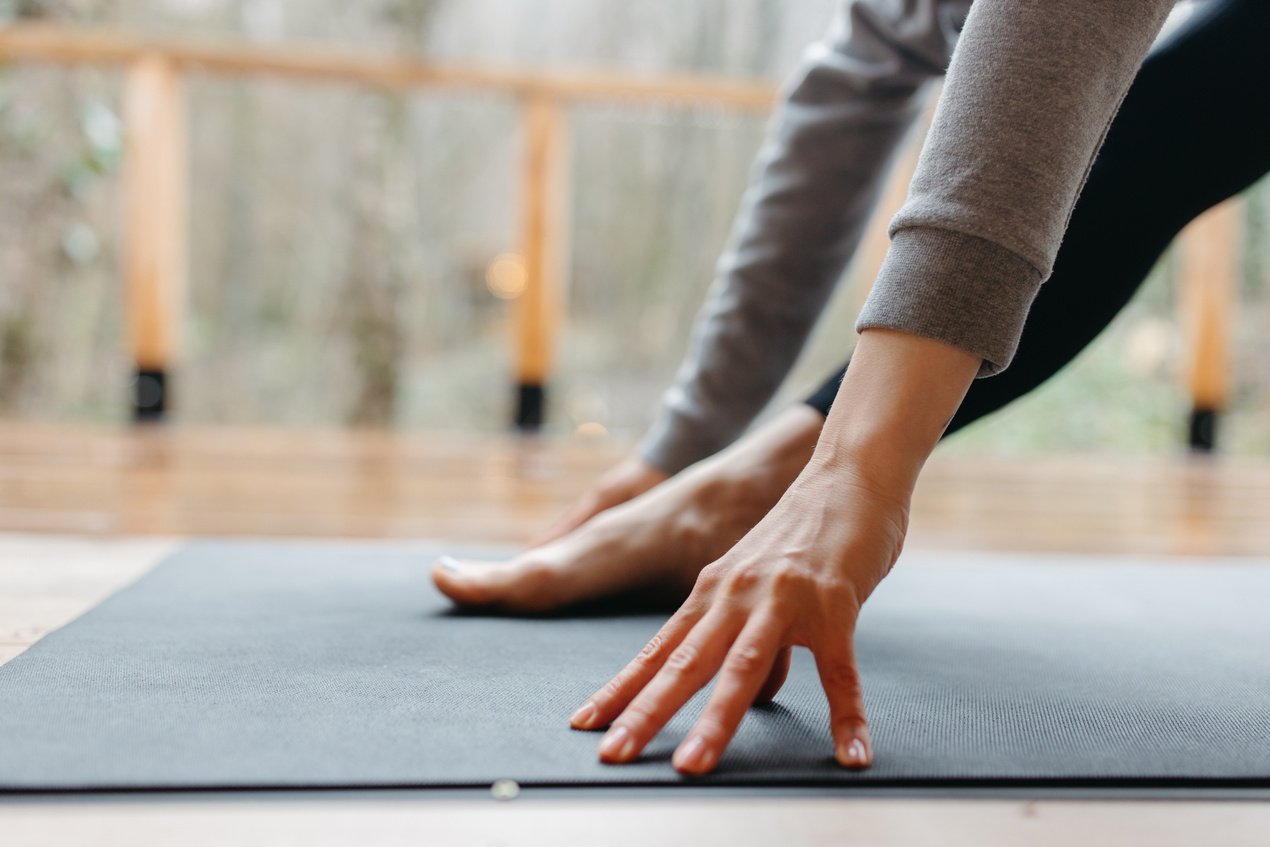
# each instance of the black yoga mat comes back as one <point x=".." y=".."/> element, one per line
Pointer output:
<point x="271" y="665"/>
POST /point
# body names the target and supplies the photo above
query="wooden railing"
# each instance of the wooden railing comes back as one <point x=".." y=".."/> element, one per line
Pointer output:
<point x="155" y="189"/>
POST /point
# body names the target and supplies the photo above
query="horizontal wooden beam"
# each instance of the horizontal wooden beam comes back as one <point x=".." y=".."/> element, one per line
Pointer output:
<point x="83" y="45"/>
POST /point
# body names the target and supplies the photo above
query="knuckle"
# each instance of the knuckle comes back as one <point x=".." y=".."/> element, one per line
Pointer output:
<point x="650" y="651"/>
<point x="613" y="688"/>
<point x="786" y="609"/>
<point x="684" y="659"/>
<point x="743" y="579"/>
<point x="708" y="578"/>
<point x="638" y="716"/>
<point x="843" y="679"/>
<point x="745" y="659"/>
<point x="840" y="603"/>
<point x="787" y="579"/>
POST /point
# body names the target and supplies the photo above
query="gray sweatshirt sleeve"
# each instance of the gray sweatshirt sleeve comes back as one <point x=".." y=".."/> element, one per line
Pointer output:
<point x="813" y="188"/>
<point x="1030" y="92"/>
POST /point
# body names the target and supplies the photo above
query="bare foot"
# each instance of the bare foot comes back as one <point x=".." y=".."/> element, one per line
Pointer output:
<point x="660" y="540"/>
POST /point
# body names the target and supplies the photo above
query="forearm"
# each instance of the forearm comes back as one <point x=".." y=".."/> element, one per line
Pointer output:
<point x="1030" y="93"/>
<point x="813" y="189"/>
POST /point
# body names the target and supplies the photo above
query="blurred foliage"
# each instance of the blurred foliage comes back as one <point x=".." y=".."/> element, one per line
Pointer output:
<point x="340" y="236"/>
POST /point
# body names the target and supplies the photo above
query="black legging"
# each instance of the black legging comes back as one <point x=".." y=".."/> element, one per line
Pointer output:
<point x="1194" y="130"/>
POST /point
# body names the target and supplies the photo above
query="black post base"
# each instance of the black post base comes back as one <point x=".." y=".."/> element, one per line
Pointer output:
<point x="149" y="395"/>
<point x="1203" y="430"/>
<point x="530" y="401"/>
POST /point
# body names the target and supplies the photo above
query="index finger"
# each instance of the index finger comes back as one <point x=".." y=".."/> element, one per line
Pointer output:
<point x="607" y="703"/>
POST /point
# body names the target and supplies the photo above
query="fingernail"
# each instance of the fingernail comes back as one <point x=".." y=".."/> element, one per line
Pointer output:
<point x="694" y="756"/>
<point x="853" y="754"/>
<point x="618" y="745"/>
<point x="582" y="717"/>
<point x="450" y="564"/>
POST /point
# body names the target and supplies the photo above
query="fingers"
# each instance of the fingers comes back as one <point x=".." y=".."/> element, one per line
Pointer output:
<point x="607" y="703"/>
<point x="776" y="678"/>
<point x="686" y="668"/>
<point x="835" y="662"/>
<point x="746" y="671"/>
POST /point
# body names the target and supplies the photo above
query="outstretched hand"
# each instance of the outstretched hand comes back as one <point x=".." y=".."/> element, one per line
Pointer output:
<point x="800" y="576"/>
<point x="798" y="579"/>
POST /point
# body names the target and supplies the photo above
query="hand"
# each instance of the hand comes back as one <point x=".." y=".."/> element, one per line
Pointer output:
<point x="798" y="579"/>
<point x="800" y="576"/>
<point x="625" y="481"/>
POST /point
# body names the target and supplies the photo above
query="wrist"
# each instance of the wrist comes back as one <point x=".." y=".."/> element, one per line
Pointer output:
<point x="860" y="516"/>
<point x="897" y="398"/>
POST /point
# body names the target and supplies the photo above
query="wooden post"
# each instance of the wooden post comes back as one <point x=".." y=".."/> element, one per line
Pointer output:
<point x="154" y="231"/>
<point x="1209" y="273"/>
<point x="543" y="248"/>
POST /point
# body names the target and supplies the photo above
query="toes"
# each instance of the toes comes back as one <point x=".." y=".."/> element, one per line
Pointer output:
<point x="522" y="584"/>
<point x="458" y="580"/>
<point x="612" y="554"/>
<point x="517" y="584"/>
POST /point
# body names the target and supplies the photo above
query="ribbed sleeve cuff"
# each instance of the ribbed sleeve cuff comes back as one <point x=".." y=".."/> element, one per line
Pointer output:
<point x="959" y="289"/>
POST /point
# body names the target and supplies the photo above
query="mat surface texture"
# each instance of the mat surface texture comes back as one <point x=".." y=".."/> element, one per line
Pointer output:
<point x="257" y="665"/>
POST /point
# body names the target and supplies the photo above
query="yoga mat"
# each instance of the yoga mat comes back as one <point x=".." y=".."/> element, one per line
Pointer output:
<point x="255" y="665"/>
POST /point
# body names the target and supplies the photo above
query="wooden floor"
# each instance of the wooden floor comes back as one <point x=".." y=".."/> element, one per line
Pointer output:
<point x="84" y="511"/>
<point x="179" y="482"/>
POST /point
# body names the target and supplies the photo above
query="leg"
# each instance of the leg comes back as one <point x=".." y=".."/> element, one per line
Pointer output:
<point x="1191" y="133"/>
<point x="1142" y="190"/>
